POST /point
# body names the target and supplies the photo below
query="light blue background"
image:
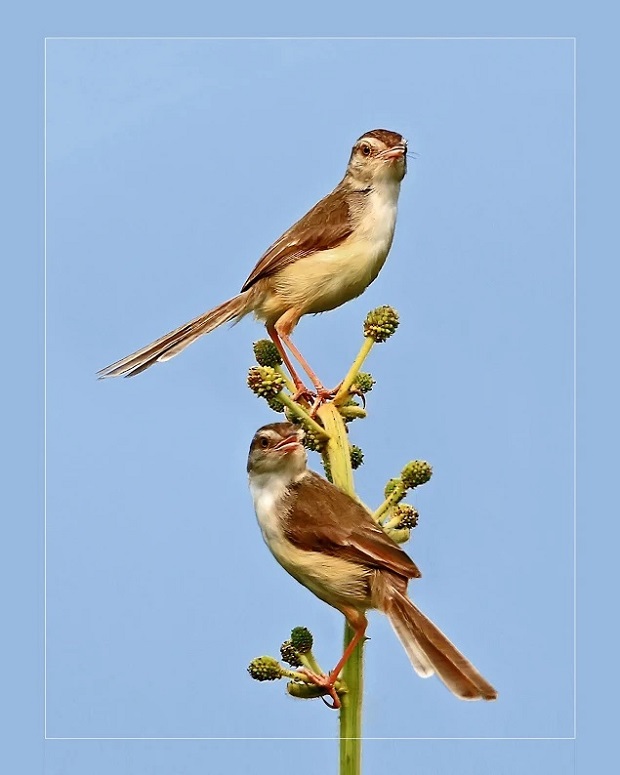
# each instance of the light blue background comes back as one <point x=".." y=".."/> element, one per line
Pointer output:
<point x="130" y="633"/>
<point x="171" y="165"/>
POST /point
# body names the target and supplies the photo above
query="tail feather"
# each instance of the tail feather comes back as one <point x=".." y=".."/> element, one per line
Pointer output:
<point x="419" y="636"/>
<point x="421" y="663"/>
<point x="172" y="343"/>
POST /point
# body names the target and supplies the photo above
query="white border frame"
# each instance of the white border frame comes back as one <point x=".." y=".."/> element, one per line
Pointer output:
<point x="303" y="37"/>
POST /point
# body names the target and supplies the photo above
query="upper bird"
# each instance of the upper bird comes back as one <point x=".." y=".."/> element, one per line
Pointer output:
<point x="327" y="258"/>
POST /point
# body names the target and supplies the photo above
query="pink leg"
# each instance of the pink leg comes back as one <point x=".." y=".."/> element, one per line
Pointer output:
<point x="360" y="631"/>
<point x="359" y="623"/>
<point x="281" y="335"/>
<point x="276" y="340"/>
<point x="304" y="365"/>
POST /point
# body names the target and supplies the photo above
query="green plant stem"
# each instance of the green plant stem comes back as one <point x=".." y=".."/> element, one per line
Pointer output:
<point x="391" y="523"/>
<point x="302" y="414"/>
<point x="351" y="709"/>
<point x="337" y="447"/>
<point x="352" y="412"/>
<point x="399" y="535"/>
<point x="309" y="660"/>
<point x="337" y="453"/>
<point x="343" y="391"/>
<point x="287" y="381"/>
<point x="391" y="500"/>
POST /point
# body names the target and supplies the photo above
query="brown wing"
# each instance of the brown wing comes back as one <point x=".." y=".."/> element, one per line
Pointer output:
<point x="324" y="227"/>
<point x="323" y="518"/>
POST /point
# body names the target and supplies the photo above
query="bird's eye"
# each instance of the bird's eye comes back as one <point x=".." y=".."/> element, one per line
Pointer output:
<point x="264" y="442"/>
<point x="365" y="149"/>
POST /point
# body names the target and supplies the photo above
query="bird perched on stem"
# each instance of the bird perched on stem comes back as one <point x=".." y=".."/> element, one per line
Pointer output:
<point x="329" y="542"/>
<point x="327" y="258"/>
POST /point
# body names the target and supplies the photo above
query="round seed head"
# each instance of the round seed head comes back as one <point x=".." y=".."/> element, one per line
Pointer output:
<point x="364" y="382"/>
<point x="289" y="654"/>
<point x="266" y="353"/>
<point x="357" y="456"/>
<point x="416" y="473"/>
<point x="408" y="516"/>
<point x="381" y="323"/>
<point x="265" y="381"/>
<point x="301" y="639"/>
<point x="265" y="669"/>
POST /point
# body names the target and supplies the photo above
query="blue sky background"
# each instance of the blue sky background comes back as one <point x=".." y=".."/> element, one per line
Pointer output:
<point x="171" y="166"/>
<point x="485" y="241"/>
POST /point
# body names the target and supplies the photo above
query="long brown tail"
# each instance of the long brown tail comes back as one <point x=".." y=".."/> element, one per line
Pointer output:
<point x="431" y="652"/>
<point x="172" y="343"/>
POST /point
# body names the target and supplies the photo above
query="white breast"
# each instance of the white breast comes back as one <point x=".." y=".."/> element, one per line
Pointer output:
<point x="328" y="279"/>
<point x="376" y="229"/>
<point x="334" y="580"/>
<point x="267" y="493"/>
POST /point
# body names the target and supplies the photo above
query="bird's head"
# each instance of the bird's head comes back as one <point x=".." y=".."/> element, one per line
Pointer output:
<point x="277" y="449"/>
<point x="379" y="155"/>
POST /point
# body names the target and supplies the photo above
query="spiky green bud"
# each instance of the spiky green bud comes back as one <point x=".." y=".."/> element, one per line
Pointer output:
<point x="357" y="456"/>
<point x="416" y="473"/>
<point x="395" y="489"/>
<point x="289" y="654"/>
<point x="381" y="323"/>
<point x="350" y="410"/>
<point x="265" y="381"/>
<point x="304" y="691"/>
<point x="364" y="382"/>
<point x="275" y="404"/>
<point x="301" y="639"/>
<point x="266" y="353"/>
<point x="291" y="416"/>
<point x="312" y="440"/>
<point x="399" y="536"/>
<point x="408" y="516"/>
<point x="265" y="669"/>
<point x="327" y="469"/>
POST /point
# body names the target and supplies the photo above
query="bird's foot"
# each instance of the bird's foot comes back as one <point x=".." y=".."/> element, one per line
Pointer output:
<point x="321" y="397"/>
<point x="327" y="682"/>
<point x="303" y="394"/>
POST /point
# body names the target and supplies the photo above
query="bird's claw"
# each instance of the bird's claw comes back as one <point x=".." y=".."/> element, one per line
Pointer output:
<point x="312" y="399"/>
<point x="335" y="705"/>
<point x="354" y="391"/>
<point x="304" y="395"/>
<point x="326" y="682"/>
<point x="320" y="397"/>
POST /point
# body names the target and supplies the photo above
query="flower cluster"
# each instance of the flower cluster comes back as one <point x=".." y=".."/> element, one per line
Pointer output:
<point x="265" y="381"/>
<point x="381" y="323"/>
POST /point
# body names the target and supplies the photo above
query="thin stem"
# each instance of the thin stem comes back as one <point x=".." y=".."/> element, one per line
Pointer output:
<point x="398" y="534"/>
<point x="302" y="414"/>
<point x="339" y="458"/>
<point x="308" y="660"/>
<point x="343" y="391"/>
<point x="287" y="380"/>
<point x="392" y="523"/>
<point x="295" y="675"/>
<point x="390" y="501"/>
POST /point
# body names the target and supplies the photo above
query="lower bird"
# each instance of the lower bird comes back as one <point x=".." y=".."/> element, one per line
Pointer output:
<point x="329" y="543"/>
<point x="327" y="258"/>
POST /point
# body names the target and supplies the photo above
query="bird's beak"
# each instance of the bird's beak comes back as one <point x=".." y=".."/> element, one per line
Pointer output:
<point x="289" y="444"/>
<point x="397" y="152"/>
